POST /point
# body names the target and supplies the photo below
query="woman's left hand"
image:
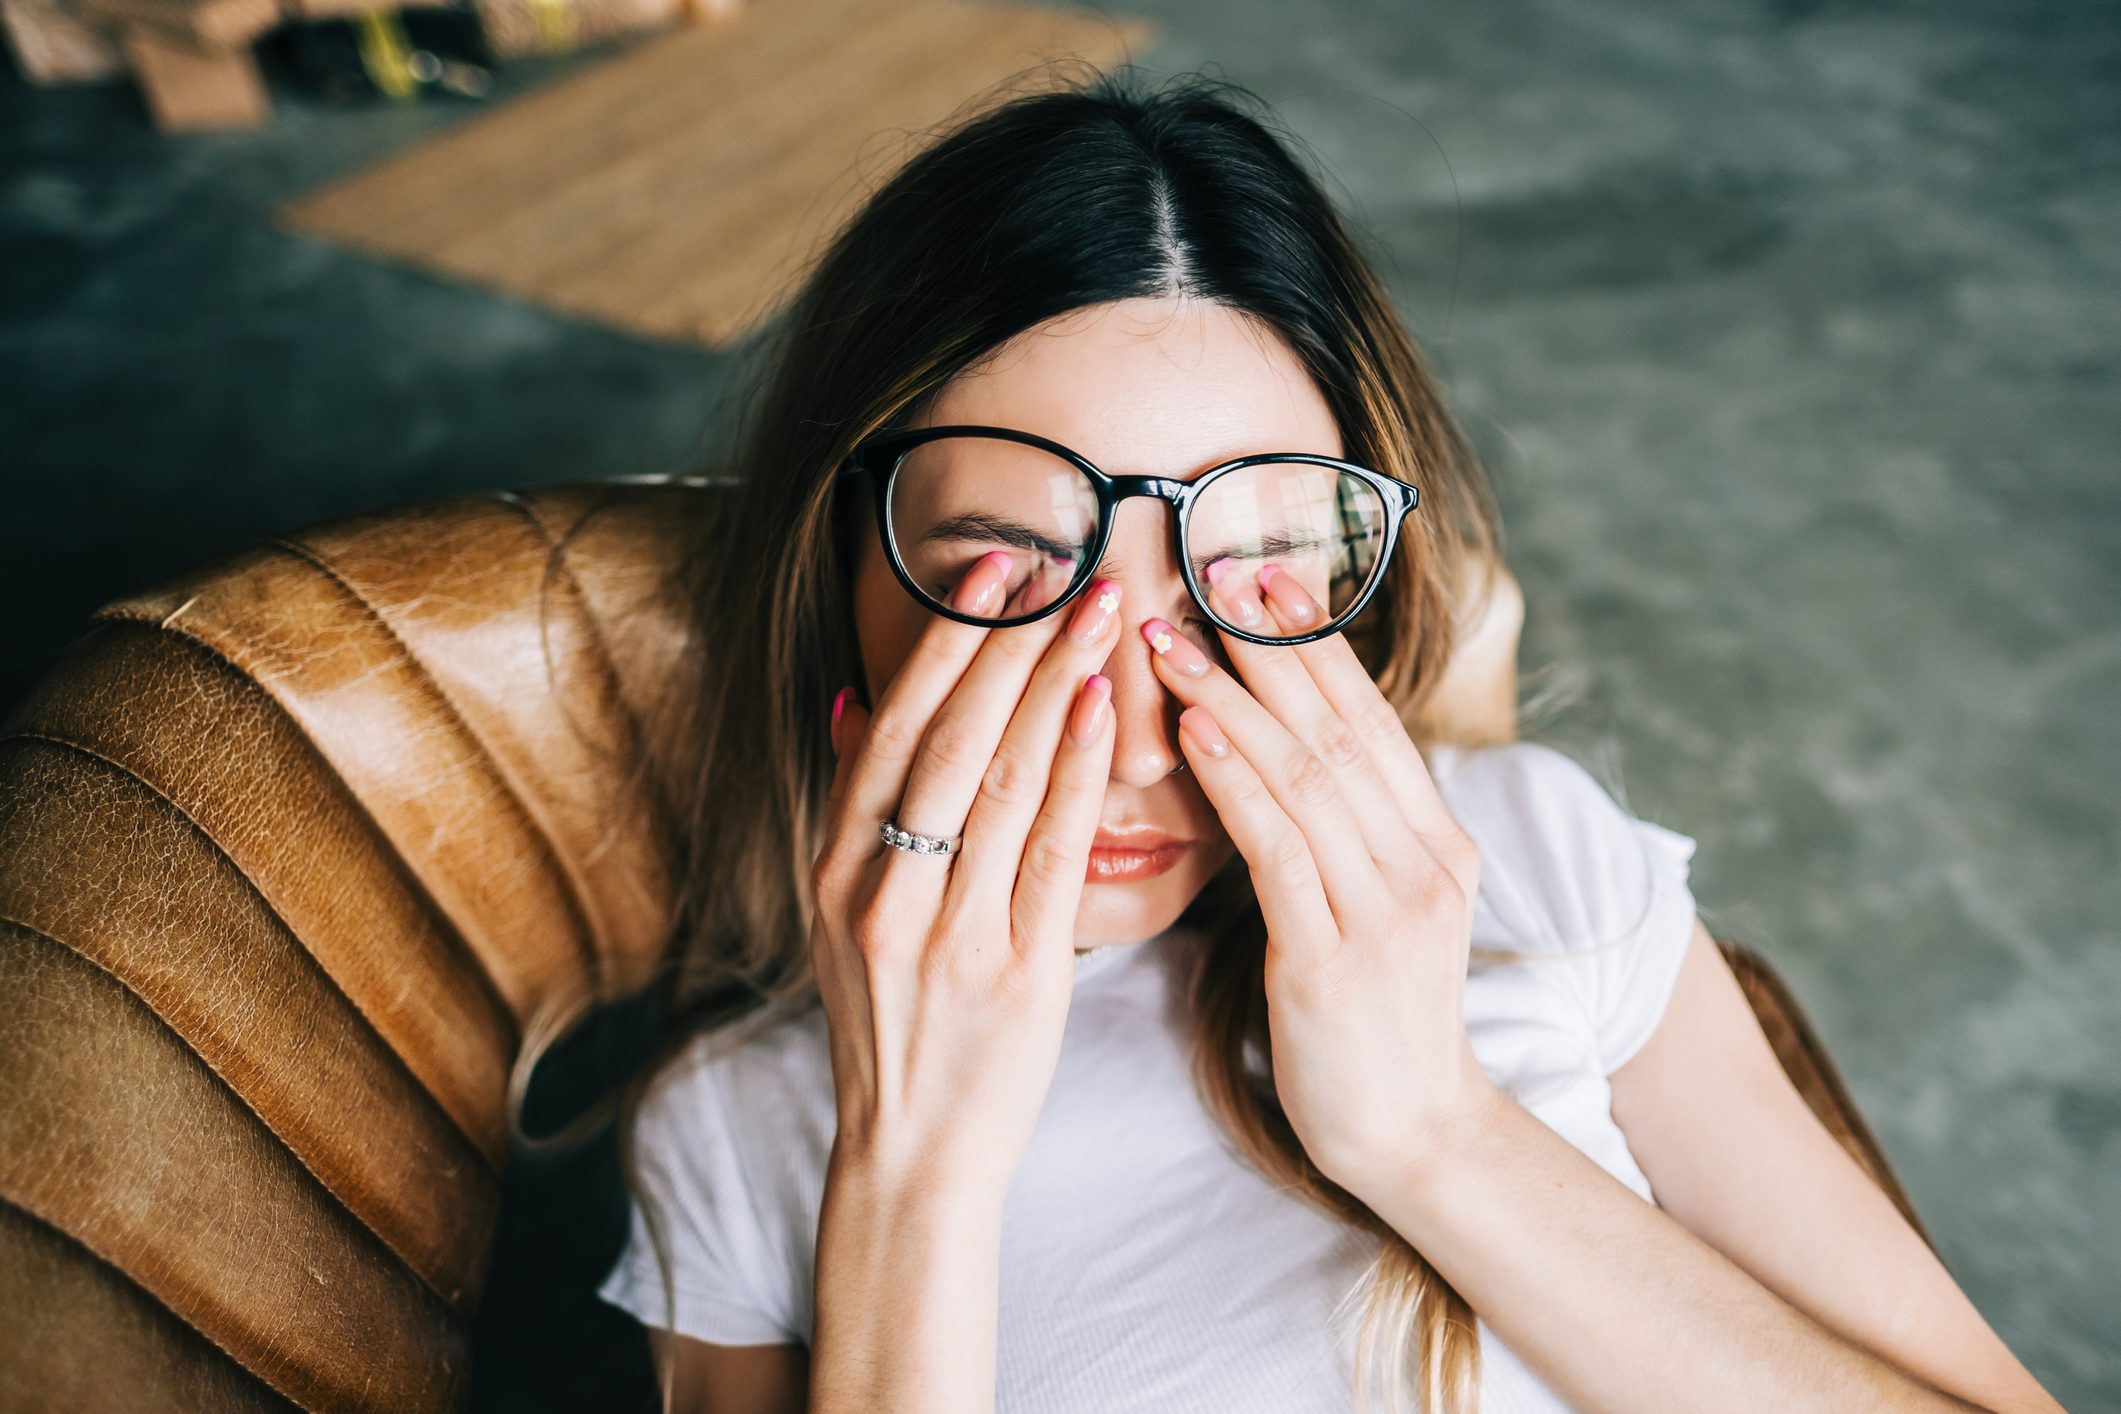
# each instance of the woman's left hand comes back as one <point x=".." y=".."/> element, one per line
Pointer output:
<point x="1365" y="881"/>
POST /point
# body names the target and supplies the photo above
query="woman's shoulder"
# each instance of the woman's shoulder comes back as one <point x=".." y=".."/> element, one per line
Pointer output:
<point x="730" y="1142"/>
<point x="746" y="1105"/>
<point x="1573" y="865"/>
<point x="748" y="1075"/>
<point x="1569" y="872"/>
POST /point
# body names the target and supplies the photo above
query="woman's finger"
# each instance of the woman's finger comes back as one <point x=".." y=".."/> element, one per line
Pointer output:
<point x="1302" y="785"/>
<point x="1346" y="684"/>
<point x="900" y="718"/>
<point x="849" y="725"/>
<point x="1056" y="852"/>
<point x="1014" y="784"/>
<point x="1014" y="672"/>
<point x="1285" y="876"/>
<point x="1280" y="681"/>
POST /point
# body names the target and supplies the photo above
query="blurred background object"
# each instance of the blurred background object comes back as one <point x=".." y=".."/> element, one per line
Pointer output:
<point x="1787" y="328"/>
<point x="198" y="62"/>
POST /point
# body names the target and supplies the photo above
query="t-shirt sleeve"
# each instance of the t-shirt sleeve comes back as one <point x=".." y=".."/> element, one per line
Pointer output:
<point x="726" y="1286"/>
<point x="1599" y="885"/>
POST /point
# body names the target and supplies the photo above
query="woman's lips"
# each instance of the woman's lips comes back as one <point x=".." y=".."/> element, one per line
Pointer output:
<point x="1142" y="857"/>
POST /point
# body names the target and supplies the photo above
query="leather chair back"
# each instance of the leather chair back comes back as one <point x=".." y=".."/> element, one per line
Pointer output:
<point x="294" y="852"/>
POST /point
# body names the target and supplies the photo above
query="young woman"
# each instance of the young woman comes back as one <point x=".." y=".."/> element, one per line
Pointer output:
<point x="1158" y="998"/>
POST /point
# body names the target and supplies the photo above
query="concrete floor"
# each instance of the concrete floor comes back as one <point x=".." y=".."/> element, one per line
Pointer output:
<point x="1789" y="332"/>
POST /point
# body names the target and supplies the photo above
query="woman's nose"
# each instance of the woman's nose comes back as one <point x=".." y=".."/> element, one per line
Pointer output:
<point x="1144" y="714"/>
<point x="1141" y="558"/>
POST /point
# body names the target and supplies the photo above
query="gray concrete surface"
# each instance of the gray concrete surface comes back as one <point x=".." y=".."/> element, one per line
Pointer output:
<point x="1790" y="331"/>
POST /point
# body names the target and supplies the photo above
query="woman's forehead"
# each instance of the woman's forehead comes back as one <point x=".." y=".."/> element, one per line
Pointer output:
<point x="1169" y="387"/>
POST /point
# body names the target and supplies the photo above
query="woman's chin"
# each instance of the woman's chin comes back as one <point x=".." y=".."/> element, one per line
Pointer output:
<point x="1115" y="911"/>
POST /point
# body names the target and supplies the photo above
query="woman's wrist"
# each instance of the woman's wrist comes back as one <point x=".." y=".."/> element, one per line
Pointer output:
<point x="912" y="1189"/>
<point x="908" y="1283"/>
<point x="901" y="1168"/>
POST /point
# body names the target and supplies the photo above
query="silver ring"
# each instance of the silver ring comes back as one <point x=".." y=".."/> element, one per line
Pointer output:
<point x="918" y="844"/>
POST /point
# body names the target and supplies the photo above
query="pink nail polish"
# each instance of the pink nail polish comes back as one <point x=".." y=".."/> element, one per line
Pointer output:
<point x="1294" y="602"/>
<point x="1088" y="718"/>
<point x="839" y="703"/>
<point x="1171" y="644"/>
<point x="1094" y="614"/>
<point x="985" y="599"/>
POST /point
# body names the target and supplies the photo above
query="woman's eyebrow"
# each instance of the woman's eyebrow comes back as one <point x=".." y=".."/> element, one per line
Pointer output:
<point x="1268" y="546"/>
<point x="974" y="525"/>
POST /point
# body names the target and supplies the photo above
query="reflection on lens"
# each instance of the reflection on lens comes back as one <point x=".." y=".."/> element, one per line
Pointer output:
<point x="958" y="498"/>
<point x="1324" y="527"/>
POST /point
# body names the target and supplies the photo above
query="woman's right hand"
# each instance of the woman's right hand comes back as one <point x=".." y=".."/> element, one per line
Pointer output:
<point x="946" y="980"/>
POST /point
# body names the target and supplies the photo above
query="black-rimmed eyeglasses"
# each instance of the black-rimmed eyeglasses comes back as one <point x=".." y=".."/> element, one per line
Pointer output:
<point x="946" y="496"/>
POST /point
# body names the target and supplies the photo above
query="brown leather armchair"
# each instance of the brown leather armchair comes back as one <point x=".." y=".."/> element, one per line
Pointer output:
<point x="294" y="853"/>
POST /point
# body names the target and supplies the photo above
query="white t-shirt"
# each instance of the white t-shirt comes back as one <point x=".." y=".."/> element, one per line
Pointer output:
<point x="1144" y="1267"/>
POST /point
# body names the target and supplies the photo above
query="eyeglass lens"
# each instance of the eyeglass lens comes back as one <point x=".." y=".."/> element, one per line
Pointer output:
<point x="958" y="498"/>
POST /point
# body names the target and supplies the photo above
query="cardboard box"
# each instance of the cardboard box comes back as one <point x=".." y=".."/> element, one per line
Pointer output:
<point x="204" y="24"/>
<point x="197" y="90"/>
<point x="55" y="43"/>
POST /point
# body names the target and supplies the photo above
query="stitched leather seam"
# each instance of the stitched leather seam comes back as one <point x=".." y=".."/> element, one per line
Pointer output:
<point x="330" y="982"/>
<point x="475" y="965"/>
<point x="585" y="945"/>
<point x="556" y="567"/>
<point x="267" y="1125"/>
<point x="127" y="1277"/>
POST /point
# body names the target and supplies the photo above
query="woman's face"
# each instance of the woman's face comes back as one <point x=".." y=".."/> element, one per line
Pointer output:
<point x="1162" y="387"/>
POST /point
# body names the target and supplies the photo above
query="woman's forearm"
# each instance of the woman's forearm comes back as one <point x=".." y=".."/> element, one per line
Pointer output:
<point x="1607" y="1297"/>
<point x="908" y="1283"/>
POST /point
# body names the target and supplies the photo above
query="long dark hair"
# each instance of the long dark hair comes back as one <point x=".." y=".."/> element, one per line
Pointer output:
<point x="1032" y="204"/>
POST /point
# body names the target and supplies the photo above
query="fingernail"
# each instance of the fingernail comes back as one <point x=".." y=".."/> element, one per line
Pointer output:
<point x="1197" y="724"/>
<point x="1289" y="597"/>
<point x="839" y="705"/>
<point x="1230" y="593"/>
<point x="1088" y="718"/>
<point x="976" y="591"/>
<point x="1174" y="646"/>
<point x="1095" y="613"/>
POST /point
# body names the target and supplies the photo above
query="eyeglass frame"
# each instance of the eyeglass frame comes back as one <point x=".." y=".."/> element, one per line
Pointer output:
<point x="879" y="456"/>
